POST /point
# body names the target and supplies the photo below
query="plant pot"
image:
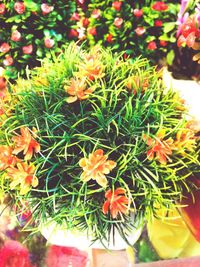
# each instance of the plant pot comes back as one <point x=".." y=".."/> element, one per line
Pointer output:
<point x="117" y="254"/>
<point x="61" y="236"/>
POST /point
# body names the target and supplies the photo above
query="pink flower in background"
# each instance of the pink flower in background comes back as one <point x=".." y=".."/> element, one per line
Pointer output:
<point x="140" y="31"/>
<point x="109" y="38"/>
<point x="8" y="61"/>
<point x="152" y="45"/>
<point x="92" y="31"/>
<point x="13" y="254"/>
<point x="49" y="43"/>
<point x="46" y="9"/>
<point x="75" y="16"/>
<point x="96" y="13"/>
<point x="159" y="6"/>
<point x="16" y="36"/>
<point x="27" y="49"/>
<point x="2" y="9"/>
<point x="4" y="48"/>
<point x="163" y="43"/>
<point x="118" y="22"/>
<point x="158" y="23"/>
<point x="19" y="7"/>
<point x="138" y="12"/>
<point x="117" y="5"/>
<point x="58" y="256"/>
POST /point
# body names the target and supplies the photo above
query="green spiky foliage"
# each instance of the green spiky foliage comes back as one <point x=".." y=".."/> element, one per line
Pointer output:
<point x="123" y="115"/>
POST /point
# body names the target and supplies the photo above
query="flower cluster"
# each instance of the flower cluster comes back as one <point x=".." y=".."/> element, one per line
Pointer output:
<point x="112" y="143"/>
<point x="189" y="29"/>
<point x="18" y="169"/>
<point x="142" y="27"/>
<point x="136" y="28"/>
<point x="22" y="45"/>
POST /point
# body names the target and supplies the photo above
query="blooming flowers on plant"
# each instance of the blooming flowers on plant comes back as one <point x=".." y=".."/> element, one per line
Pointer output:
<point x="7" y="158"/>
<point x="78" y="90"/>
<point x="2" y="9"/>
<point x="25" y="143"/>
<point x="19" y="7"/>
<point x="189" y="30"/>
<point x="96" y="166"/>
<point x="116" y="202"/>
<point x="46" y="9"/>
<point x="102" y="153"/>
<point x="23" y="175"/>
<point x="16" y="36"/>
<point x="159" y="148"/>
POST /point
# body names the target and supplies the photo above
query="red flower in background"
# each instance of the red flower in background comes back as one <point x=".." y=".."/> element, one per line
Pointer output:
<point x="116" y="202"/>
<point x="163" y="43"/>
<point x="8" y="61"/>
<point x="85" y="22"/>
<point x="4" y="48"/>
<point x="159" y="6"/>
<point x="190" y="208"/>
<point x="140" y="31"/>
<point x="92" y="31"/>
<point x="3" y="85"/>
<point x="117" y="5"/>
<point x="2" y="9"/>
<point x="158" y="23"/>
<point x="19" y="7"/>
<point x="189" y="33"/>
<point x="138" y="12"/>
<point x="152" y="45"/>
<point x="27" y="49"/>
<point x="109" y="38"/>
<point x="46" y="9"/>
<point x="16" y="36"/>
<point x="73" y="33"/>
<point x="49" y="43"/>
<point x="118" y="22"/>
<point x="13" y="254"/>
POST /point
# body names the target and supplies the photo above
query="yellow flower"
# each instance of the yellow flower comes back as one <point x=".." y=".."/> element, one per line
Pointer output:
<point x="185" y="139"/>
<point x="26" y="143"/>
<point x="6" y="157"/>
<point x="96" y="166"/>
<point x="77" y="89"/>
<point x="92" y="67"/>
<point x="136" y="83"/>
<point x="22" y="175"/>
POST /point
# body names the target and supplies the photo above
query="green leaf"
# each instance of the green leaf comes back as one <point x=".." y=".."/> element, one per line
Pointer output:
<point x="170" y="57"/>
<point x="169" y="26"/>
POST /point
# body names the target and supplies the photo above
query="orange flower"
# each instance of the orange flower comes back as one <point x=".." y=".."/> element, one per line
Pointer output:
<point x="92" y="66"/>
<point x="77" y="90"/>
<point x="135" y="83"/>
<point x="6" y="157"/>
<point x="116" y="202"/>
<point x="25" y="143"/>
<point x="159" y="147"/>
<point x="22" y="175"/>
<point x="96" y="166"/>
<point x="185" y="139"/>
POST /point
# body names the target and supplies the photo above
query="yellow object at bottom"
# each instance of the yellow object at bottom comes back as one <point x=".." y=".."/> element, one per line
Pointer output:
<point x="171" y="238"/>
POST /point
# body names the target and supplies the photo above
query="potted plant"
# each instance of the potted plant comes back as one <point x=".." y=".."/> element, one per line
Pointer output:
<point x="94" y="144"/>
